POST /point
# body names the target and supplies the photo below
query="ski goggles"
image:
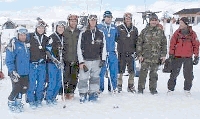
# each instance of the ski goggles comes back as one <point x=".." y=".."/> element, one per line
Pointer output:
<point x="62" y="23"/>
<point x="41" y="23"/>
<point x="22" y="31"/>
<point x="92" y="17"/>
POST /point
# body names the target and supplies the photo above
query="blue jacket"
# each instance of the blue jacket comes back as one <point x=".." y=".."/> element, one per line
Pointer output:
<point x="110" y="41"/>
<point x="18" y="56"/>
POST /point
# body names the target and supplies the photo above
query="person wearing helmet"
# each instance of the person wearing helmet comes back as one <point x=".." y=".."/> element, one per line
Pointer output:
<point x="128" y="35"/>
<point x="71" y="34"/>
<point x="55" y="63"/>
<point x="17" y="62"/>
<point x="37" y="76"/>
<point x="151" y="51"/>
<point x="110" y="32"/>
<point x="91" y="50"/>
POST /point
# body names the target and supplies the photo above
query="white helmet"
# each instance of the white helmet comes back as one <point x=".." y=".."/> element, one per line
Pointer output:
<point x="20" y="30"/>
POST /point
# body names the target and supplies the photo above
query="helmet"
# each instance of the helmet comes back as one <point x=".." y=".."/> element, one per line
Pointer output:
<point x="72" y="17"/>
<point x="127" y="14"/>
<point x="41" y="23"/>
<point x="153" y="16"/>
<point x="61" y="23"/>
<point x="20" y="30"/>
<point x="107" y="13"/>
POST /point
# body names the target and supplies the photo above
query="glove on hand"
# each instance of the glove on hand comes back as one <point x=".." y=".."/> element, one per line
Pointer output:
<point x="196" y="60"/>
<point x="14" y="76"/>
<point x="102" y="62"/>
<point x="85" y="68"/>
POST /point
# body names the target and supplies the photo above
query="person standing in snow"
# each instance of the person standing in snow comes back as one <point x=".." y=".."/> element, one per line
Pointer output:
<point x="183" y="45"/>
<point x="71" y="67"/>
<point x="37" y="76"/>
<point x="91" y="52"/>
<point x="126" y="46"/>
<point x="55" y="63"/>
<point x="110" y="32"/>
<point x="151" y="50"/>
<point x="17" y="62"/>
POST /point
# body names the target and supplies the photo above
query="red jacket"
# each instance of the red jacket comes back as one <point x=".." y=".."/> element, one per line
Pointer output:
<point x="184" y="45"/>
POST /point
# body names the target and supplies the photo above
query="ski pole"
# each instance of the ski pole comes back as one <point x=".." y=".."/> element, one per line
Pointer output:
<point x="61" y="60"/>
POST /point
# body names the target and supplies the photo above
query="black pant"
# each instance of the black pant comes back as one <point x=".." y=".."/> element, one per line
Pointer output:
<point x="19" y="88"/>
<point x="187" y="72"/>
<point x="70" y="77"/>
<point x="125" y="59"/>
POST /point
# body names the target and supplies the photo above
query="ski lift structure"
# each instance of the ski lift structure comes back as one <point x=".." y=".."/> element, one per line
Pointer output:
<point x="146" y="15"/>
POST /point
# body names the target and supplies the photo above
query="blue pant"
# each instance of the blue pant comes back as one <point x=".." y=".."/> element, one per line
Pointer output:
<point x="37" y="78"/>
<point x="113" y="69"/>
<point x="54" y="82"/>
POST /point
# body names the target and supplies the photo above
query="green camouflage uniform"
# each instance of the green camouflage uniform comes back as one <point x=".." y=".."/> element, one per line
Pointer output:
<point x="151" y="45"/>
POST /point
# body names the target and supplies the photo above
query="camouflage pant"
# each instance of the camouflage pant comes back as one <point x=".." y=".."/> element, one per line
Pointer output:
<point x="153" y="76"/>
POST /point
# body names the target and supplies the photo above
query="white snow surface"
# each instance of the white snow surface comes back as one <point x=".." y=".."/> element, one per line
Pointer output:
<point x="130" y="106"/>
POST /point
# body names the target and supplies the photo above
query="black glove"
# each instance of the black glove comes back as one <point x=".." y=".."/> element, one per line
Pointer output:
<point x="102" y="62"/>
<point x="196" y="60"/>
<point x="14" y="76"/>
<point x="85" y="69"/>
<point x="171" y="57"/>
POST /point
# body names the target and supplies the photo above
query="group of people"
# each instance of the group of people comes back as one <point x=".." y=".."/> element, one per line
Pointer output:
<point x="43" y="67"/>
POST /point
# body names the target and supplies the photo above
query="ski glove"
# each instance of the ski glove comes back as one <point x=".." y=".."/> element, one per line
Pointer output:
<point x="58" y="64"/>
<point x="102" y="62"/>
<point x="14" y="76"/>
<point x="85" y="69"/>
<point x="171" y="57"/>
<point x="196" y="60"/>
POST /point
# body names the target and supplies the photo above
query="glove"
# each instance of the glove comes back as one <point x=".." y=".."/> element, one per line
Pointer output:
<point x="85" y="68"/>
<point x="58" y="64"/>
<point x="171" y="57"/>
<point x="196" y="60"/>
<point x="102" y="62"/>
<point x="14" y="76"/>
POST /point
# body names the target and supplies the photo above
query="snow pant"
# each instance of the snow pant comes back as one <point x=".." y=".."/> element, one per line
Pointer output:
<point x="126" y="60"/>
<point x="92" y="75"/>
<point x="187" y="72"/>
<point x="37" y="77"/>
<point x="112" y="63"/>
<point x="19" y="88"/>
<point x="153" y="75"/>
<point x="70" y="77"/>
<point x="54" y="82"/>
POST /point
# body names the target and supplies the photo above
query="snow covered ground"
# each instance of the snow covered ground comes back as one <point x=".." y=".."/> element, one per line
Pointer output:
<point x="130" y="106"/>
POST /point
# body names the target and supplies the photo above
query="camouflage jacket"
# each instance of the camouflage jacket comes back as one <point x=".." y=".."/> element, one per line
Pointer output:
<point x="151" y="44"/>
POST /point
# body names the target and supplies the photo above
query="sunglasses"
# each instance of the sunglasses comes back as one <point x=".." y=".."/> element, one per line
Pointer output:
<point x="22" y="31"/>
<point x="92" y="17"/>
<point x="62" y="23"/>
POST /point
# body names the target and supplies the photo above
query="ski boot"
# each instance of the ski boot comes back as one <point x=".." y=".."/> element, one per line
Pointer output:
<point x="93" y="97"/>
<point x="119" y="88"/>
<point x="83" y="97"/>
<point x="20" y="105"/>
<point x="13" y="107"/>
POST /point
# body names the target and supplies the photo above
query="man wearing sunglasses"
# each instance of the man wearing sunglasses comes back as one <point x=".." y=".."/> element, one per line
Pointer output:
<point x="37" y="76"/>
<point x="70" y="58"/>
<point x="17" y="62"/>
<point x="91" y="51"/>
<point x="151" y="50"/>
<point x="126" y="46"/>
<point x="110" y="32"/>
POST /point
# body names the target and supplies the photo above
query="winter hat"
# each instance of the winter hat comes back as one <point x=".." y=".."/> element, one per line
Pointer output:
<point x="107" y="14"/>
<point x="72" y="17"/>
<point x="185" y="20"/>
<point x="153" y="16"/>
